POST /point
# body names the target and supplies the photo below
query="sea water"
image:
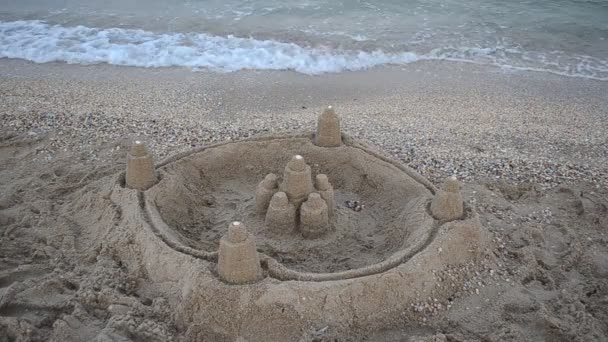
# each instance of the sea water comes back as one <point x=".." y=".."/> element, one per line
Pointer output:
<point x="566" y="37"/>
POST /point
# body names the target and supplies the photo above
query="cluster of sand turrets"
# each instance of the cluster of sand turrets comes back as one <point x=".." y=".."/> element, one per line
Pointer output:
<point x="296" y="202"/>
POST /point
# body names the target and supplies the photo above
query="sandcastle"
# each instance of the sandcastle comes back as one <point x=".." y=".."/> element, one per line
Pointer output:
<point x="256" y="238"/>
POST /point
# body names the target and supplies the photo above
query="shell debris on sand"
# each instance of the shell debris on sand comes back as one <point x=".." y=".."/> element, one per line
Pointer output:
<point x="354" y="205"/>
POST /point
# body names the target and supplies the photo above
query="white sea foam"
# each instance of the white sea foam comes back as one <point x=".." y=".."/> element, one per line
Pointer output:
<point x="40" y="42"/>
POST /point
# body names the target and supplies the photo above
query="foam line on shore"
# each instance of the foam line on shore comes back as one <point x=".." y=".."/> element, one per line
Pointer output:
<point x="40" y="42"/>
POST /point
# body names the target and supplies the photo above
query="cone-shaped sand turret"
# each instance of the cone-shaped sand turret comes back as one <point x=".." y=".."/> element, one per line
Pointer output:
<point x="238" y="261"/>
<point x="297" y="180"/>
<point x="326" y="191"/>
<point x="328" y="129"/>
<point x="314" y="220"/>
<point x="448" y="205"/>
<point x="264" y="192"/>
<point x="140" y="173"/>
<point x="281" y="215"/>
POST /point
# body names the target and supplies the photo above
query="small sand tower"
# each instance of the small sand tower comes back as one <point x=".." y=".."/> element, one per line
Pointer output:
<point x="326" y="191"/>
<point x="238" y="261"/>
<point x="314" y="220"/>
<point x="448" y="205"/>
<point x="140" y="167"/>
<point x="281" y="215"/>
<point x="328" y="129"/>
<point x="297" y="180"/>
<point x="265" y="191"/>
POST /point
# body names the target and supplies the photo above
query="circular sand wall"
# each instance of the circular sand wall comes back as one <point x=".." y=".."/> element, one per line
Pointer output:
<point x="199" y="195"/>
<point x="366" y="272"/>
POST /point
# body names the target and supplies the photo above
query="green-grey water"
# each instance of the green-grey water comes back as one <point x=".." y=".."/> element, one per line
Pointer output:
<point x="568" y="37"/>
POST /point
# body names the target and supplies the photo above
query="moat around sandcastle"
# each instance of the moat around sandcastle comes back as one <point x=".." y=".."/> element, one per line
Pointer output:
<point x="296" y="223"/>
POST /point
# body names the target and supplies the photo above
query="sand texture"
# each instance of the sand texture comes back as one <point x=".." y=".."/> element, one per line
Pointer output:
<point x="79" y="261"/>
<point x="200" y="194"/>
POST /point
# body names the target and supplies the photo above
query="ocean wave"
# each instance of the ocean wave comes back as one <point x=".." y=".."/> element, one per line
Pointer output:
<point x="40" y="42"/>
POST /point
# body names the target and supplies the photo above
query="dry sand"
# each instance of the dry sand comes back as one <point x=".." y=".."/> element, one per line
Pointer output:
<point x="531" y="148"/>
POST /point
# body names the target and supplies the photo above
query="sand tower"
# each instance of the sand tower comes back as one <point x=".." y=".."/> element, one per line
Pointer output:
<point x="297" y="180"/>
<point x="281" y="215"/>
<point x="238" y="261"/>
<point x="140" y="173"/>
<point x="448" y="204"/>
<point x="314" y="220"/>
<point x="264" y="192"/>
<point x="295" y="265"/>
<point x="326" y="191"/>
<point x="328" y="129"/>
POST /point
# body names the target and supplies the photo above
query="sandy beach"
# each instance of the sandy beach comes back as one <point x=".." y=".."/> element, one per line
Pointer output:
<point x="530" y="148"/>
